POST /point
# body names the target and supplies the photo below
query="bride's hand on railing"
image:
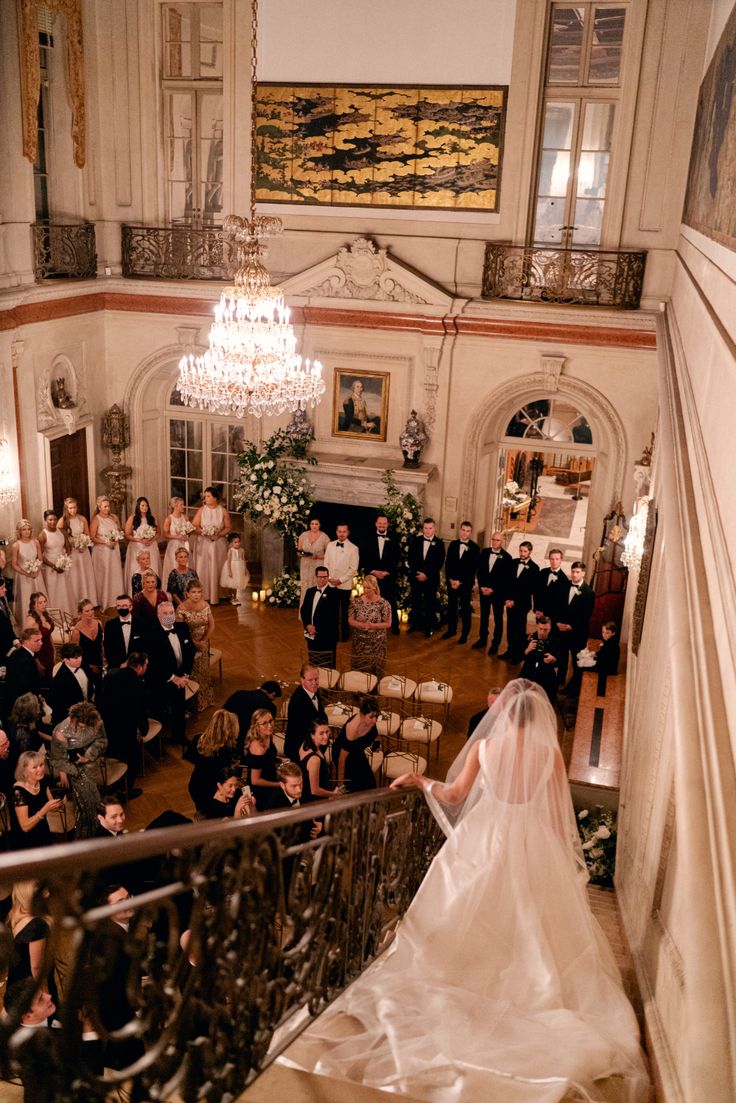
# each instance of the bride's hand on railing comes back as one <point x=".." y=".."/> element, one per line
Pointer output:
<point x="408" y="781"/>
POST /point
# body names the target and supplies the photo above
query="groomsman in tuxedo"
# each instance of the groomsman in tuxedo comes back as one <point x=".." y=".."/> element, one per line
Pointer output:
<point x="304" y="704"/>
<point x="341" y="560"/>
<point x="21" y="669"/>
<point x="494" y="575"/>
<point x="171" y="657"/>
<point x="426" y="558"/>
<point x="522" y="582"/>
<point x="379" y="556"/>
<point x="120" y="638"/>
<point x="124" y="710"/>
<point x="573" y="627"/>
<point x="69" y="685"/>
<point x="8" y="628"/>
<point x="552" y="588"/>
<point x="460" y="568"/>
<point x="320" y="613"/>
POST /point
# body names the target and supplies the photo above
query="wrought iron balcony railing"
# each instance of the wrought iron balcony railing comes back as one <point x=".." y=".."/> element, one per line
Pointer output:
<point x="586" y="277"/>
<point x="177" y="252"/>
<point x="232" y="928"/>
<point x="64" y="250"/>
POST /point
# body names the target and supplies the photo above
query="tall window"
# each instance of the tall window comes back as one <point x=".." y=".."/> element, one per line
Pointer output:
<point x="193" y="110"/>
<point x="40" y="169"/>
<point x="582" y="91"/>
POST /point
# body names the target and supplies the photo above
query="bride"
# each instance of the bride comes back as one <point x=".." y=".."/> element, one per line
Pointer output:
<point x="500" y="984"/>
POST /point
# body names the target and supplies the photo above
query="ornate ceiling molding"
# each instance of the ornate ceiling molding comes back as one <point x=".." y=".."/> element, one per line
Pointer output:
<point x="30" y="72"/>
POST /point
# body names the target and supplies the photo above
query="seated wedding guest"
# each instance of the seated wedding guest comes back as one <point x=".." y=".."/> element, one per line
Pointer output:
<point x="261" y="757"/>
<point x="313" y="762"/>
<point x="123" y="705"/>
<point x="110" y="817"/>
<point x="170" y="660"/>
<point x="35" y="1048"/>
<point x="195" y="612"/>
<point x="7" y="767"/>
<point x="541" y="659"/>
<point x="87" y="632"/>
<point x="181" y="575"/>
<point x="147" y="602"/>
<point x="25" y="726"/>
<point x="353" y="740"/>
<point x="30" y="929"/>
<point x="143" y="564"/>
<point x="38" y="617"/>
<point x="120" y="638"/>
<point x="69" y="685"/>
<point x="32" y="801"/>
<point x="493" y="694"/>
<point x="227" y="800"/>
<point x="304" y="702"/>
<point x="210" y="754"/>
<point x="244" y="703"/>
<point x="21" y="669"/>
<point x="76" y="745"/>
<point x="8" y="625"/>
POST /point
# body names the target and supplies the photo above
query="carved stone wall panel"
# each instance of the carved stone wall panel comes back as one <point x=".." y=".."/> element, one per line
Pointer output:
<point x="61" y="397"/>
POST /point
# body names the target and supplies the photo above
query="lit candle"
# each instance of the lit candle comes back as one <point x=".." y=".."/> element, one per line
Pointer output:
<point x="254" y="595"/>
<point x="263" y="595"/>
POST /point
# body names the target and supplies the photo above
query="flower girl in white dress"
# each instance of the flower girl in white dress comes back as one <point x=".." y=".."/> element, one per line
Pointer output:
<point x="234" y="575"/>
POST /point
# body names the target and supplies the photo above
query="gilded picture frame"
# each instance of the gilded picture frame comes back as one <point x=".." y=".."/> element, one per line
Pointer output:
<point x="360" y="405"/>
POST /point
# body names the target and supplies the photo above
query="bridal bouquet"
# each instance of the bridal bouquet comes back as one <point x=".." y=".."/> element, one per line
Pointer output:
<point x="210" y="530"/>
<point x="81" y="541"/>
<point x="33" y="566"/>
<point x="184" y="527"/>
<point x="116" y="536"/>
<point x="145" y="532"/>
<point x="63" y="562"/>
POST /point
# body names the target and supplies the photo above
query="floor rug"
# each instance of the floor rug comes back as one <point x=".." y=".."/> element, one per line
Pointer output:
<point x="553" y="517"/>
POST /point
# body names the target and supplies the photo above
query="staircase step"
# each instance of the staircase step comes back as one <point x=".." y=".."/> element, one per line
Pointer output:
<point x="279" y="1083"/>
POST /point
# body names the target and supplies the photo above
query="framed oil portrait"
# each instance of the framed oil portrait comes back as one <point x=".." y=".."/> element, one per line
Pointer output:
<point x="360" y="408"/>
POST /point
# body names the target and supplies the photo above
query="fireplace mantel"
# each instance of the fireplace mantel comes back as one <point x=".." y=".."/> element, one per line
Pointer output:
<point x="358" y="480"/>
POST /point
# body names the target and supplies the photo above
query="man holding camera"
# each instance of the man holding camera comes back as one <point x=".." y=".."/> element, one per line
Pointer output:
<point x="540" y="659"/>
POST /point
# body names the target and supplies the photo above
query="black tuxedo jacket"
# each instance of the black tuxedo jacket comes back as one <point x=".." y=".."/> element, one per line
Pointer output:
<point x="577" y="613"/>
<point x="459" y="568"/>
<point x="521" y="589"/>
<point x="161" y="659"/>
<point x="113" y="642"/>
<point x="122" y="703"/>
<point x="326" y="617"/>
<point x="431" y="565"/>
<point x="21" y="676"/>
<point x="299" y="716"/>
<point x="64" y="692"/>
<point x="371" y="558"/>
<point x="551" y="597"/>
<point x="7" y="630"/>
<point x="494" y="577"/>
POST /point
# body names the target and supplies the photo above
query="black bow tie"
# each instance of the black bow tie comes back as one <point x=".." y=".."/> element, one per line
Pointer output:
<point x="340" y="544"/>
<point x="464" y="543"/>
<point x="524" y="565"/>
<point x="495" y="553"/>
<point x="553" y="574"/>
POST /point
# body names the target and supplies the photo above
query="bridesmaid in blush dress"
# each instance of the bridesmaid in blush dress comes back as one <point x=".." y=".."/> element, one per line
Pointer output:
<point x="54" y="544"/>
<point x="134" y="526"/>
<point x="310" y="548"/>
<point x="177" y="527"/>
<point x="108" y="569"/>
<point x="212" y="522"/>
<point x="25" y="552"/>
<point x="82" y="576"/>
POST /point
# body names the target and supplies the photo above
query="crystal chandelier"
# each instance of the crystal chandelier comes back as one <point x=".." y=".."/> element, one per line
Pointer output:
<point x="251" y="363"/>
<point x="635" y="541"/>
<point x="8" y="485"/>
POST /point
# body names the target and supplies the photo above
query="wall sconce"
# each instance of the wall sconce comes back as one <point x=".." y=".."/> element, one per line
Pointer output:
<point x="633" y="552"/>
<point x="9" y="489"/>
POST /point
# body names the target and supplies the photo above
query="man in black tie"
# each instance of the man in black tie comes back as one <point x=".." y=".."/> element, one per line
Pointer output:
<point x="426" y="558"/>
<point x="119" y="637"/>
<point x="124" y="709"/>
<point x="494" y="573"/>
<point x="540" y="658"/>
<point x="22" y="674"/>
<point x="171" y="657"/>
<point x="460" y="569"/>
<point x="304" y="704"/>
<point x="573" y="627"/>
<point x="522" y="581"/>
<point x="8" y="628"/>
<point x="552" y="587"/>
<point x="320" y="613"/>
<point x="69" y="685"/>
<point x="379" y="556"/>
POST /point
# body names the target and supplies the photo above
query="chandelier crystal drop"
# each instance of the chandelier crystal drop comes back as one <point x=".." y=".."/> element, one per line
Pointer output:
<point x="251" y="364"/>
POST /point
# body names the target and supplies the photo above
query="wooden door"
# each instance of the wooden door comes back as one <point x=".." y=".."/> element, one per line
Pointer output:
<point x="69" y="471"/>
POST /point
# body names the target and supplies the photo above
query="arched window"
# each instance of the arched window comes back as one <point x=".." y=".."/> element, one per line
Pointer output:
<point x="550" y="420"/>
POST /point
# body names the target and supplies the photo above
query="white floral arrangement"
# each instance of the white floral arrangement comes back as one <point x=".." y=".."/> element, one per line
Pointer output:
<point x="512" y="493"/>
<point x="598" y="835"/>
<point x="33" y="566"/>
<point x="273" y="489"/>
<point x="116" y="536"/>
<point x="145" y="532"/>
<point x="183" y="526"/>
<point x="586" y="658"/>
<point x="285" y="591"/>
<point x="63" y="562"/>
<point x="81" y="541"/>
<point x="210" y="530"/>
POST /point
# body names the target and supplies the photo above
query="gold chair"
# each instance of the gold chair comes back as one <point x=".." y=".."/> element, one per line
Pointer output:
<point x="396" y="763"/>
<point x="154" y="731"/>
<point x="421" y="731"/>
<point x="358" y="682"/>
<point x="216" y="661"/>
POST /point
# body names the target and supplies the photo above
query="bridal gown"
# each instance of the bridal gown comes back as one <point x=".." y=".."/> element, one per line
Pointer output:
<point x="500" y="986"/>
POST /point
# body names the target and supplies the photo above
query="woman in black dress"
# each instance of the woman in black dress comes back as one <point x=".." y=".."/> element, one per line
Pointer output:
<point x="210" y="754"/>
<point x="30" y="931"/>
<point x="351" y="744"/>
<point x="261" y="757"/>
<point x="87" y="632"/>
<point x="32" y="801"/>
<point x="228" y="800"/>
<point x="314" y="765"/>
<point x="38" y="617"/>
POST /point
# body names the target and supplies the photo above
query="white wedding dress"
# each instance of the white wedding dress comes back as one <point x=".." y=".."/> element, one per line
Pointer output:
<point x="500" y="986"/>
